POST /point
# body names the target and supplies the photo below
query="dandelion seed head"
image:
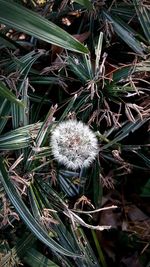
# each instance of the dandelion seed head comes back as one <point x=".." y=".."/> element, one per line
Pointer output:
<point x="74" y="144"/>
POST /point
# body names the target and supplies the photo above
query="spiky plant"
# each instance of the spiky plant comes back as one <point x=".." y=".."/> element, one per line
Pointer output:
<point x="93" y="104"/>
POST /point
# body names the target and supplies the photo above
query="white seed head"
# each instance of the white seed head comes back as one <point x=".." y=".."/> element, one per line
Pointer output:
<point x="74" y="144"/>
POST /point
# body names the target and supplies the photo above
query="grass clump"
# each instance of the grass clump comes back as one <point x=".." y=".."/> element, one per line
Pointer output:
<point x="74" y="133"/>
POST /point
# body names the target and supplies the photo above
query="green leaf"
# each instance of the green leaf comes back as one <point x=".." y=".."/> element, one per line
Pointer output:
<point x="98" y="52"/>
<point x="68" y="182"/>
<point x="6" y="93"/>
<point x="97" y="187"/>
<point x="127" y="128"/>
<point x="4" y="113"/>
<point x="68" y="108"/>
<point x="146" y="190"/>
<point x="36" y="259"/>
<point x="24" y="20"/>
<point x="99" y="250"/>
<point x="23" y="64"/>
<point x="143" y="14"/>
<point x="124" y="11"/>
<point x="122" y="73"/>
<point x="126" y="71"/>
<point x="42" y="133"/>
<point x="26" y="216"/>
<point x="46" y="197"/>
<point x="89" y="258"/>
<point x="45" y="80"/>
<point x="86" y="3"/>
<point x="81" y="67"/>
<point x="19" y="138"/>
<point x="22" y="245"/>
<point x="20" y="116"/>
<point x="125" y="33"/>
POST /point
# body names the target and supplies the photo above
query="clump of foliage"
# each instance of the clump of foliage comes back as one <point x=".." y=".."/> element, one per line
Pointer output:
<point x="62" y="62"/>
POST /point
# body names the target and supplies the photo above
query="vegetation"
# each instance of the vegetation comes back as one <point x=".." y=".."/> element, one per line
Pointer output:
<point x="84" y="61"/>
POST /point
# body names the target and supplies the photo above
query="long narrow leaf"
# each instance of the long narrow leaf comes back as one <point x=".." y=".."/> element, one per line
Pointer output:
<point x="4" y="113"/>
<point x="86" y="3"/>
<point x="143" y="14"/>
<point x="129" y="127"/>
<point x="125" y="33"/>
<point x="19" y="17"/>
<point x="35" y="259"/>
<point x="68" y="108"/>
<point x="19" y="138"/>
<point x="23" y="245"/>
<point x="6" y="93"/>
<point x="26" y="216"/>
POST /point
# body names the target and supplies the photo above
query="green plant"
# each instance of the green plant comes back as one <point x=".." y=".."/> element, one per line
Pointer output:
<point x="53" y="212"/>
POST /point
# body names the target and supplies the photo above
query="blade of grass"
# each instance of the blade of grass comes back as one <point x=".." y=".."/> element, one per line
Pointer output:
<point x="5" y="109"/>
<point x="20" y="115"/>
<point x="126" y="12"/>
<point x="129" y="127"/>
<point x="89" y="258"/>
<point x="99" y="250"/>
<point x="143" y="14"/>
<point x="27" y="217"/>
<point x="67" y="181"/>
<point x="43" y="131"/>
<point x="98" y="52"/>
<point x="68" y="108"/>
<point x="49" y="199"/>
<point x="6" y="93"/>
<point x="33" y="24"/>
<point x="19" y="138"/>
<point x="78" y="68"/>
<point x="22" y="246"/>
<point x="122" y="73"/>
<point x="125" y="33"/>
<point x="146" y="190"/>
<point x="24" y="63"/>
<point x="97" y="187"/>
<point x="87" y="64"/>
<point x="86" y="3"/>
<point x="36" y="259"/>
